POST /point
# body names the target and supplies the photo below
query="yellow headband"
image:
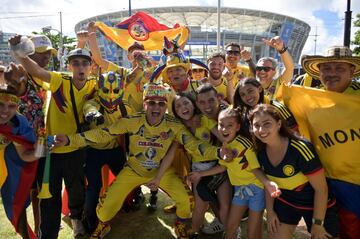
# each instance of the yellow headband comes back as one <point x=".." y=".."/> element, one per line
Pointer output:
<point x="6" y="97"/>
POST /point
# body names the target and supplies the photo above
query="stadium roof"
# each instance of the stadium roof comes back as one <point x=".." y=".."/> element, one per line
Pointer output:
<point x="232" y="19"/>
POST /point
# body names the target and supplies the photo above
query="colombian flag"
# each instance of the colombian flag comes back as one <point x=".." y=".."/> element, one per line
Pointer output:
<point x="16" y="175"/>
<point x="144" y="29"/>
<point x="332" y="122"/>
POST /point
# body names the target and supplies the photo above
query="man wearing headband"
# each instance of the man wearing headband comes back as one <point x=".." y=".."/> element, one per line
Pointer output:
<point x="337" y="70"/>
<point x="151" y="135"/>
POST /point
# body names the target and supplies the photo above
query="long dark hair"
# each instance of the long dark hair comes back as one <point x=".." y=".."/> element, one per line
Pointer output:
<point x="236" y="112"/>
<point x="270" y="110"/>
<point x="238" y="102"/>
<point x="187" y="95"/>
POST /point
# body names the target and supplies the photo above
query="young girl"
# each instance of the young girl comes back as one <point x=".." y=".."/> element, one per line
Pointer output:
<point x="249" y="192"/>
<point x="184" y="108"/>
<point x="293" y="164"/>
<point x="249" y="93"/>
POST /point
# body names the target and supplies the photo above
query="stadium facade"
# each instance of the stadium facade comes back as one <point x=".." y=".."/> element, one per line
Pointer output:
<point x="245" y="26"/>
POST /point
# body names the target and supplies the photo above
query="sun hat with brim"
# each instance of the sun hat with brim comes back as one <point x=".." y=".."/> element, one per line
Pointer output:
<point x="79" y="52"/>
<point x="194" y="66"/>
<point x="43" y="44"/>
<point x="174" y="60"/>
<point x="310" y="63"/>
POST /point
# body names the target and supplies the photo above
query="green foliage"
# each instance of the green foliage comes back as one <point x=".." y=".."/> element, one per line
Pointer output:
<point x="356" y="41"/>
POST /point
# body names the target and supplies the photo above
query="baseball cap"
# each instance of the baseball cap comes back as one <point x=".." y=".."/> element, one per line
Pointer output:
<point x="79" y="52"/>
<point x="43" y="44"/>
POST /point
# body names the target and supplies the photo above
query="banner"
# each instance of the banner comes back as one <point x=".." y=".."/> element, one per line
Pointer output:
<point x="332" y="122"/>
<point x="144" y="29"/>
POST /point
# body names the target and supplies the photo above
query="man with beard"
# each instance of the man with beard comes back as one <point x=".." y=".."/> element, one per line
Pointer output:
<point x="61" y="119"/>
<point x="337" y="71"/>
<point x="266" y="68"/>
<point x="223" y="85"/>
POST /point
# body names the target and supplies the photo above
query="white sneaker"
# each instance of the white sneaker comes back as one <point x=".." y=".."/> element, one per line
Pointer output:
<point x="238" y="233"/>
<point x="214" y="227"/>
<point x="78" y="227"/>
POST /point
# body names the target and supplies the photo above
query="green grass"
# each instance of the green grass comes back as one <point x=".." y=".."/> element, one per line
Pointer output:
<point x="133" y="225"/>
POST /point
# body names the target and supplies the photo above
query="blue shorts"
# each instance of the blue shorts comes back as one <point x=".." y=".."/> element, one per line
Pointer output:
<point x="251" y="196"/>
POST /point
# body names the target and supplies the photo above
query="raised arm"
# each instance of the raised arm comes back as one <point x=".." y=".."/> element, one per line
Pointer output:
<point x="94" y="47"/>
<point x="279" y="45"/>
<point x="30" y="66"/>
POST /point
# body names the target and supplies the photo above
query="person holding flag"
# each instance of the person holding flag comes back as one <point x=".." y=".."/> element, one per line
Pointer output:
<point x="18" y="163"/>
<point x="329" y="118"/>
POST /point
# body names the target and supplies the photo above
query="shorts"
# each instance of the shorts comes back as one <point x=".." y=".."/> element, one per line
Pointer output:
<point x="251" y="196"/>
<point x="202" y="166"/>
<point x="207" y="186"/>
<point x="291" y="215"/>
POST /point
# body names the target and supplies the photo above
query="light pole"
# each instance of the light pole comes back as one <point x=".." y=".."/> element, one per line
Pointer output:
<point x="47" y="29"/>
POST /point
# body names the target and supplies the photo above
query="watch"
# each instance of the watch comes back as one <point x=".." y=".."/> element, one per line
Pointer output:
<point x="318" y="222"/>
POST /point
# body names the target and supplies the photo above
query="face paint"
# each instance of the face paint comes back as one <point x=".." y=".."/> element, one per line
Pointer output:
<point x="111" y="89"/>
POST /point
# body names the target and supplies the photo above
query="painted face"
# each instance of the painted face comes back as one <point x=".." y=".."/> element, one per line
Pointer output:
<point x="250" y="94"/>
<point x="228" y="127"/>
<point x="265" y="73"/>
<point x="177" y="75"/>
<point x="7" y="111"/>
<point x="184" y="108"/>
<point x="208" y="103"/>
<point x="265" y="127"/>
<point x="336" y="76"/>
<point x="111" y="89"/>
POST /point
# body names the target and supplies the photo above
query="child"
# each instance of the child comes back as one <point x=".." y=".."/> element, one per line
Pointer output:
<point x="249" y="192"/>
<point x="17" y="161"/>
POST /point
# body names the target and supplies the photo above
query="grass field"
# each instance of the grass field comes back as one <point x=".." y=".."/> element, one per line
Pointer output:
<point x="132" y="225"/>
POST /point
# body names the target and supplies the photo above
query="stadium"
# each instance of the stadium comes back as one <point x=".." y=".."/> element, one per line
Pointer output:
<point x="244" y="26"/>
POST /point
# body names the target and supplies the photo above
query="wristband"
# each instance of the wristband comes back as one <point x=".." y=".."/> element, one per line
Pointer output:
<point x="283" y="50"/>
<point x="318" y="222"/>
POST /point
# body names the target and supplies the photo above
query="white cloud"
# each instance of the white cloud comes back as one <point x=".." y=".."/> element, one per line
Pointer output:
<point x="77" y="10"/>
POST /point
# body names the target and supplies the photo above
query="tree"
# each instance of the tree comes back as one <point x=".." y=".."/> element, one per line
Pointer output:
<point x="68" y="42"/>
<point x="357" y="36"/>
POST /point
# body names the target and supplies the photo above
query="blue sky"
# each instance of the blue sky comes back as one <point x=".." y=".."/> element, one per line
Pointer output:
<point x="326" y="15"/>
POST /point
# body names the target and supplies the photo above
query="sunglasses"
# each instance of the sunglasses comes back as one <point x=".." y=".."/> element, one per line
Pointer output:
<point x="264" y="68"/>
<point x="235" y="53"/>
<point x="154" y="102"/>
<point x="80" y="63"/>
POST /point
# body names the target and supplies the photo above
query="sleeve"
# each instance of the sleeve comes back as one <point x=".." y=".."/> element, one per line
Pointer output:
<point x="91" y="106"/>
<point x="309" y="161"/>
<point x="102" y="135"/>
<point x="197" y="148"/>
<point x="285" y="114"/>
<point x="55" y="81"/>
<point x="252" y="159"/>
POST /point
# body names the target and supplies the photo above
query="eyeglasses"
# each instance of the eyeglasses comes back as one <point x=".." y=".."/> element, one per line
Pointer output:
<point x="154" y="102"/>
<point x="80" y="63"/>
<point x="264" y="68"/>
<point x="235" y="53"/>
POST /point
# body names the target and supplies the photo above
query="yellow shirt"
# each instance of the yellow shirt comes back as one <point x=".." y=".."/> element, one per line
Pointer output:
<point x="353" y="89"/>
<point x="148" y="144"/>
<point x="61" y="117"/>
<point x="240" y="168"/>
<point x="273" y="91"/>
<point x="240" y="72"/>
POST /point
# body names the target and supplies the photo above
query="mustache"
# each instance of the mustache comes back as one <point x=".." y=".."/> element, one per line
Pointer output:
<point x="331" y="78"/>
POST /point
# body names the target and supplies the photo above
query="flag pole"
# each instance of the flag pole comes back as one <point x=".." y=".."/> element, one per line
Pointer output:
<point x="218" y="27"/>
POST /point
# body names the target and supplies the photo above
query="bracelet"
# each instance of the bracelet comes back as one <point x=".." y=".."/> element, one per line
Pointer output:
<point x="283" y="50"/>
